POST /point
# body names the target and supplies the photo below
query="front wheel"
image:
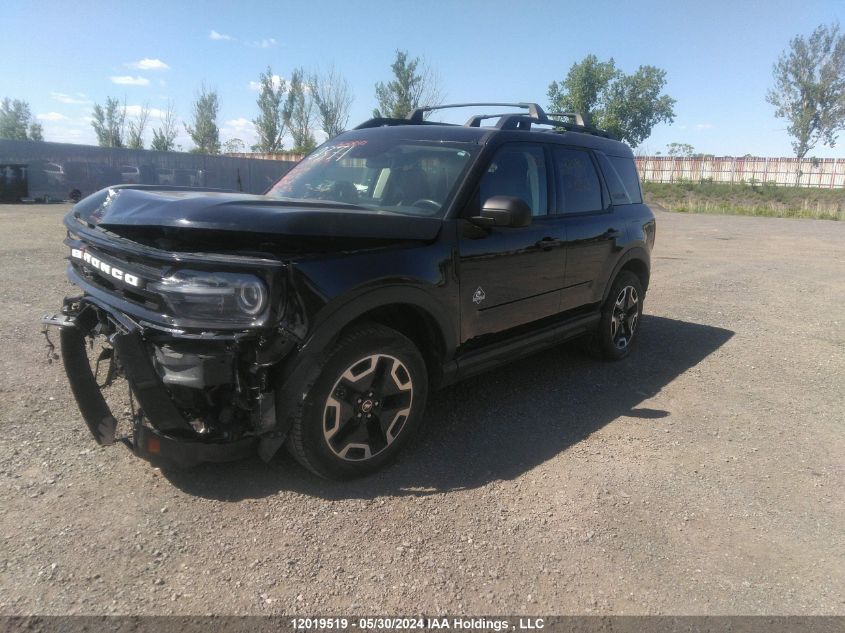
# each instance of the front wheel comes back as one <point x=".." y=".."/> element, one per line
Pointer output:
<point x="620" y="317"/>
<point x="365" y="405"/>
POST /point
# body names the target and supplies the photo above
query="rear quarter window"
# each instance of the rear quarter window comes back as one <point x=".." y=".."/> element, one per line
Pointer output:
<point x="626" y="170"/>
<point x="618" y="192"/>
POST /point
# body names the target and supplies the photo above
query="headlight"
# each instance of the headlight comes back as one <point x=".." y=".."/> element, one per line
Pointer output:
<point x="225" y="298"/>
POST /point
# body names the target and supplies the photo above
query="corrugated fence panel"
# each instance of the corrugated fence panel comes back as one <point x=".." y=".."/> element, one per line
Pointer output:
<point x="823" y="172"/>
<point x="55" y="170"/>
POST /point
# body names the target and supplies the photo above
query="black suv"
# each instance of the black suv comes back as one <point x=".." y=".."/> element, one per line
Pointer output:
<point x="396" y="258"/>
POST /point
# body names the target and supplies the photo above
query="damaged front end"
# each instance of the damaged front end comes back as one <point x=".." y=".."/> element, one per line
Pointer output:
<point x="201" y="374"/>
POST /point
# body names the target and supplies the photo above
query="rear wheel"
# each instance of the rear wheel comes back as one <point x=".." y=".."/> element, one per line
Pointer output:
<point x="620" y="317"/>
<point x="365" y="405"/>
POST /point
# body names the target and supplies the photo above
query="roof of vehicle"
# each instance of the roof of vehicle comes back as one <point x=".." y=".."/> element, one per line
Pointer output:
<point x="510" y="125"/>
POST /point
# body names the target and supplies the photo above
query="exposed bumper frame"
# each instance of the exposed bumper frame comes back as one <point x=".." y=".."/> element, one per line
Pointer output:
<point x="168" y="442"/>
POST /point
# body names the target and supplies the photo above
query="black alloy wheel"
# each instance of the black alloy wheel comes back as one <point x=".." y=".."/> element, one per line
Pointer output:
<point x="620" y="317"/>
<point x="366" y="403"/>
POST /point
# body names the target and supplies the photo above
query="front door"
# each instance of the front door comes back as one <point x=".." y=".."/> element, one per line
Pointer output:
<point x="512" y="276"/>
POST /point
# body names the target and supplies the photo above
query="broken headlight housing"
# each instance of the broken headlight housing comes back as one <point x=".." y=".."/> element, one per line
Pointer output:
<point x="230" y="299"/>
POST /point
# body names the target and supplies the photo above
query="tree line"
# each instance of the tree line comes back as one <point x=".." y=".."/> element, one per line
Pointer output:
<point x="808" y="91"/>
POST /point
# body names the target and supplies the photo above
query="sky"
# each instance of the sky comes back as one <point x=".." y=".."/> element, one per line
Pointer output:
<point x="62" y="57"/>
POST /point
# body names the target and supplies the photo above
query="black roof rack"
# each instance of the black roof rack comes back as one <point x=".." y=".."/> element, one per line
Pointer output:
<point x="577" y="117"/>
<point x="507" y="121"/>
<point x="418" y="115"/>
<point x="383" y="121"/>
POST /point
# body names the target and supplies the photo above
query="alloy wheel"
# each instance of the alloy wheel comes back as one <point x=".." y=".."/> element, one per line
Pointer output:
<point x="626" y="313"/>
<point x="368" y="407"/>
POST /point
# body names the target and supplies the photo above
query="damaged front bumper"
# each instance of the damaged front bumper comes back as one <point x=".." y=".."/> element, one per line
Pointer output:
<point x="197" y="401"/>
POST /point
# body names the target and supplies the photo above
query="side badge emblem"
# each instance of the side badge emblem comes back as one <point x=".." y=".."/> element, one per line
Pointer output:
<point x="479" y="296"/>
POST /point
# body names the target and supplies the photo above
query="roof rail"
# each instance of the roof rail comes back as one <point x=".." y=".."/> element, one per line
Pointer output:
<point x="418" y="114"/>
<point x="577" y="117"/>
<point x="388" y="122"/>
<point x="475" y="120"/>
<point x="524" y="123"/>
<point x="577" y="122"/>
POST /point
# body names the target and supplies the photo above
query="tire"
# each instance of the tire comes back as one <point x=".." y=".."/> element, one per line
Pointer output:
<point x="620" y="317"/>
<point x="364" y="406"/>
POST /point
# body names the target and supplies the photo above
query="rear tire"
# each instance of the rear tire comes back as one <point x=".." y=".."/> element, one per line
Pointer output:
<point x="365" y="405"/>
<point x="620" y="317"/>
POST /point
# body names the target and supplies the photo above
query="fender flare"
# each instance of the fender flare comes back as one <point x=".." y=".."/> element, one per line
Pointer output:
<point x="345" y="312"/>
<point x="634" y="253"/>
<point x="297" y="376"/>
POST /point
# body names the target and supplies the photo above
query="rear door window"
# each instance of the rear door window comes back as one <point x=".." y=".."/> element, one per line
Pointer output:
<point x="578" y="185"/>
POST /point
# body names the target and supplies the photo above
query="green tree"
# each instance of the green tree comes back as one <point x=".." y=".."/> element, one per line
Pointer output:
<point x="298" y="113"/>
<point x="165" y="135"/>
<point x="36" y="132"/>
<point x="333" y="98"/>
<point x="414" y="84"/>
<point x="270" y="123"/>
<point x="809" y="90"/>
<point x="585" y="86"/>
<point x="205" y="132"/>
<point x="680" y="149"/>
<point x="109" y="123"/>
<point x="627" y="106"/>
<point x="135" y="138"/>
<point x="234" y="146"/>
<point x="16" y="121"/>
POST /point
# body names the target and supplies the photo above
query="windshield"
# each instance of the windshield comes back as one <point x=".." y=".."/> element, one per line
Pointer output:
<point x="402" y="176"/>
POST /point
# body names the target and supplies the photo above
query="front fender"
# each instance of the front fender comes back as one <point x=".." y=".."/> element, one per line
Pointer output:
<point x="344" y="311"/>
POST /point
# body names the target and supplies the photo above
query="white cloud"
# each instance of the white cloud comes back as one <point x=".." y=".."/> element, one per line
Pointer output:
<point x="214" y="35"/>
<point x="61" y="97"/>
<point x="149" y="64"/>
<point x="51" y="116"/>
<point x="135" y="110"/>
<point x="239" y="128"/>
<point x="129" y="80"/>
<point x="704" y="126"/>
<point x="68" y="135"/>
<point x="268" y="42"/>
<point x="234" y="126"/>
<point x="256" y="85"/>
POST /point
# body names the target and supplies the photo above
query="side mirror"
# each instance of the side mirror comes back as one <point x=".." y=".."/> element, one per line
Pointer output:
<point x="503" y="211"/>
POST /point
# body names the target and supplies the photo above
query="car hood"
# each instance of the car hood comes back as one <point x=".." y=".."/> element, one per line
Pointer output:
<point x="121" y="209"/>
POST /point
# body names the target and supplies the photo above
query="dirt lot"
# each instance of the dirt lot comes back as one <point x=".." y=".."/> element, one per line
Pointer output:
<point x="703" y="475"/>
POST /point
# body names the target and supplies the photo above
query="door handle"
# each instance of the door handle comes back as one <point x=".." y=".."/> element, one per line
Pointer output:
<point x="547" y="243"/>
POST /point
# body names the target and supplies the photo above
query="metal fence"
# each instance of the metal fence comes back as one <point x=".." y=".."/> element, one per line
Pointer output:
<point x="58" y="171"/>
<point x="826" y="173"/>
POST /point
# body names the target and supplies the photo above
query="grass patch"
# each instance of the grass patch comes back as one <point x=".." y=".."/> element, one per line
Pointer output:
<point x="760" y="200"/>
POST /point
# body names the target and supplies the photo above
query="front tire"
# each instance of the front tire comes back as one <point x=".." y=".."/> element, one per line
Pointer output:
<point x="620" y="317"/>
<point x="365" y="405"/>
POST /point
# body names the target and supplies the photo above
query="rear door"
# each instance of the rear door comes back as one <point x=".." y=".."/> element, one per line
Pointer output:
<point x="512" y="276"/>
<point x="592" y="228"/>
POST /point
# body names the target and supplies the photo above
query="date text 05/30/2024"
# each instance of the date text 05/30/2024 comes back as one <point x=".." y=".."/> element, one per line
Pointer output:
<point x="417" y="623"/>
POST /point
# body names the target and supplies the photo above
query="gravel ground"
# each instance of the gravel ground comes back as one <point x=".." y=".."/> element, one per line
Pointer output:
<point x="702" y="475"/>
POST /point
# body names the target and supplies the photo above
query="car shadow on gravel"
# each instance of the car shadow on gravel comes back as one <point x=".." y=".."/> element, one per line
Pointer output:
<point x="495" y="426"/>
